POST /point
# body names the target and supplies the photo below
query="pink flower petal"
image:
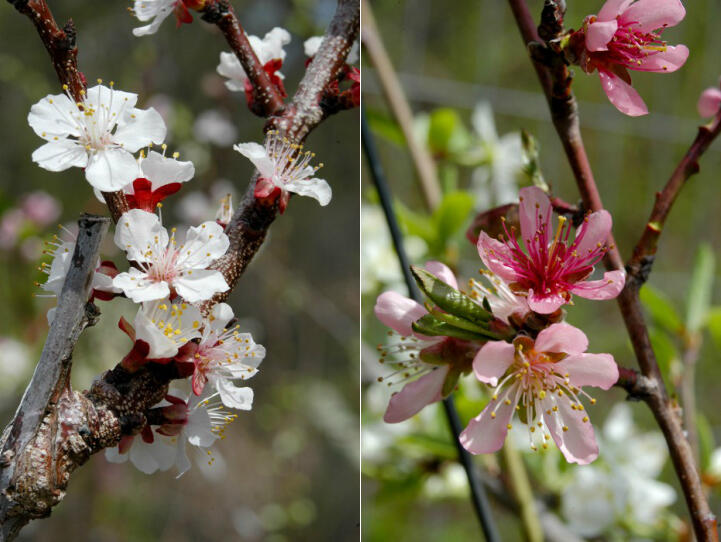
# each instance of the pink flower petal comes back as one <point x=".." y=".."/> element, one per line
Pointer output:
<point x="398" y="312"/>
<point x="415" y="395"/>
<point x="494" y="254"/>
<point x="442" y="272"/>
<point x="484" y="433"/>
<point x="534" y="208"/>
<point x="492" y="361"/>
<point x="607" y="288"/>
<point x="709" y="102"/>
<point x="561" y="338"/>
<point x="599" y="34"/>
<point x="622" y="95"/>
<point x="654" y="14"/>
<point x="594" y="230"/>
<point x="545" y="304"/>
<point x="666" y="61"/>
<point x="598" y="370"/>
<point x="612" y="8"/>
<point x="578" y="442"/>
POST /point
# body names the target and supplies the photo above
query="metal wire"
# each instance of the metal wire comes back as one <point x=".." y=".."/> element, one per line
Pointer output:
<point x="478" y="494"/>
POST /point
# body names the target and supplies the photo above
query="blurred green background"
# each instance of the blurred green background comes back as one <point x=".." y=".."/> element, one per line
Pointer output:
<point x="450" y="57"/>
<point x="288" y="468"/>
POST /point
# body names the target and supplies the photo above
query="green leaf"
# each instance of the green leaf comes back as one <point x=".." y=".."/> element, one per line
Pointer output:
<point x="665" y="350"/>
<point x="713" y="321"/>
<point x="431" y="326"/>
<point x="457" y="321"/>
<point x="449" y="384"/>
<point x="452" y="213"/>
<point x="705" y="439"/>
<point x="699" y="294"/>
<point x="449" y="299"/>
<point x="662" y="310"/>
<point x="416" y="224"/>
<point x="446" y="133"/>
<point x="385" y="127"/>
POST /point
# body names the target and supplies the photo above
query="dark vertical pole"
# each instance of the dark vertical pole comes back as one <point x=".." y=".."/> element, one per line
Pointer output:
<point x="478" y="495"/>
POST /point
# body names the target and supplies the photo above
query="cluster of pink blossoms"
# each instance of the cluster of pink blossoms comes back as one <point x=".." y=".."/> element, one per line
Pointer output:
<point x="540" y="368"/>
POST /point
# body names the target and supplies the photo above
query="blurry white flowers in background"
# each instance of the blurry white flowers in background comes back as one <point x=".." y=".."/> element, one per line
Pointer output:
<point x="621" y="487"/>
<point x="495" y="181"/>
<point x="15" y="363"/>
<point x="379" y="263"/>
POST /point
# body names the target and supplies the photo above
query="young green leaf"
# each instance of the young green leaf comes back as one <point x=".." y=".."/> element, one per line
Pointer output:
<point x="452" y="214"/>
<point x="699" y="294"/>
<point x="662" y="310"/>
<point x="449" y="299"/>
<point x="431" y="326"/>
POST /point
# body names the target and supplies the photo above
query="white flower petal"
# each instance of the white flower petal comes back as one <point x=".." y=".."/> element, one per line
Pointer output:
<point x="111" y="169"/>
<point x="160" y="345"/>
<point x="139" y="128"/>
<point x="136" y="285"/>
<point x="113" y="455"/>
<point x="202" y="284"/>
<point x="160" y="170"/>
<point x="139" y="231"/>
<point x="256" y="153"/>
<point x="222" y="314"/>
<point x="203" y="245"/>
<point x="60" y="155"/>
<point x="234" y="396"/>
<point x="53" y="117"/>
<point x="317" y="189"/>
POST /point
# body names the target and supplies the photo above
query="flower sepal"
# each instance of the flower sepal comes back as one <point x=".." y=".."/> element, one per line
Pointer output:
<point x="449" y="299"/>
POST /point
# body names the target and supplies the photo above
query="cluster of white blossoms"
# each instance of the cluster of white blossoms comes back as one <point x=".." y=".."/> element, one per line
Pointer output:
<point x="170" y="274"/>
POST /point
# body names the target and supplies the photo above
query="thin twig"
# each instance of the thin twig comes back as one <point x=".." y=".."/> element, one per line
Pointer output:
<point x="251" y="221"/>
<point x="422" y="161"/>
<point x="556" y="81"/>
<point x="267" y="100"/>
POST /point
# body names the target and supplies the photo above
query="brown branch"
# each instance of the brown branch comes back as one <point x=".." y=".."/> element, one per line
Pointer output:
<point x="555" y="80"/>
<point x="251" y="221"/>
<point x="267" y="100"/>
<point x="63" y="51"/>
<point x="40" y="451"/>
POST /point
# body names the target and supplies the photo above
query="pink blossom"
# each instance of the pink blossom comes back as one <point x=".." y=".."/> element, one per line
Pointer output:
<point x="709" y="102"/>
<point x="626" y="35"/>
<point x="553" y="267"/>
<point x="424" y="363"/>
<point x="41" y="208"/>
<point x="542" y="380"/>
<point x="406" y="355"/>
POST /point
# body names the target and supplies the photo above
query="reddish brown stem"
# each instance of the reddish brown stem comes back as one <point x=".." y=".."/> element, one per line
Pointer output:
<point x="647" y="245"/>
<point x="251" y="221"/>
<point x="63" y="51"/>
<point x="266" y="99"/>
<point x="555" y="80"/>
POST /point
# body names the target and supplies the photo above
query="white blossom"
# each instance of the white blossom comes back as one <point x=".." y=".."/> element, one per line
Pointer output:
<point x="166" y="327"/>
<point x="157" y="10"/>
<point x="224" y="357"/>
<point x="98" y="134"/>
<point x="311" y="45"/>
<point x="282" y="165"/>
<point x="266" y="49"/>
<point x="502" y="158"/>
<point x="163" y="265"/>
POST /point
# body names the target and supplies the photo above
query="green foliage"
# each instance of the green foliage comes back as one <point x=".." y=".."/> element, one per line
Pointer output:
<point x="699" y="294"/>
<point x="447" y="134"/>
<point x="662" y="310"/>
